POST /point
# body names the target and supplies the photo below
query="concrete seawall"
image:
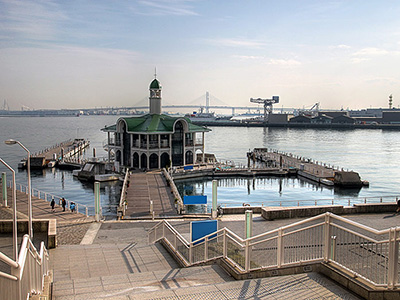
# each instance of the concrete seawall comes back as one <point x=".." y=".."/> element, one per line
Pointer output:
<point x="274" y="213"/>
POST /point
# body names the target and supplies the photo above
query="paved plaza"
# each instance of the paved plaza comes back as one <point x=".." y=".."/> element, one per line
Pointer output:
<point x="113" y="260"/>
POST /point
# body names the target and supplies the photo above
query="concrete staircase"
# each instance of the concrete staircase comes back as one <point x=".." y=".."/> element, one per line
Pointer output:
<point x="129" y="271"/>
<point x="120" y="271"/>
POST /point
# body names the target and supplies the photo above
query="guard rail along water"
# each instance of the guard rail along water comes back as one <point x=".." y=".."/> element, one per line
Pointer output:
<point x="27" y="273"/>
<point x="370" y="255"/>
<point x="79" y="208"/>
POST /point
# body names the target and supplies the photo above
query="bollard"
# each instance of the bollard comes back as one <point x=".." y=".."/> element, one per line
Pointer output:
<point x="249" y="224"/>
<point x="97" y="201"/>
<point x="214" y="199"/>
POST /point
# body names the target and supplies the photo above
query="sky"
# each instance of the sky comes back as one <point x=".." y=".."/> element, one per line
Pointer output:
<point x="86" y="54"/>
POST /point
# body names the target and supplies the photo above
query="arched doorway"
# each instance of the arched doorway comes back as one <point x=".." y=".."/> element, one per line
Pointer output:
<point x="189" y="157"/>
<point x="118" y="156"/>
<point x="143" y="161"/>
<point x="135" y="162"/>
<point x="165" y="160"/>
<point x="177" y="145"/>
<point x="153" y="161"/>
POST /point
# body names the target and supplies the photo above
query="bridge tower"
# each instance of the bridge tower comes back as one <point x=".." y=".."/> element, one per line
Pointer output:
<point x="207" y="102"/>
<point x="268" y="103"/>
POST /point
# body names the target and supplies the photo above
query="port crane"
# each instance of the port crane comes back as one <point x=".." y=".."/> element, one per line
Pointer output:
<point x="268" y="103"/>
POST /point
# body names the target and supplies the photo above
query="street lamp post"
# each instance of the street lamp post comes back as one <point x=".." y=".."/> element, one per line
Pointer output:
<point x="13" y="142"/>
<point x="14" y="189"/>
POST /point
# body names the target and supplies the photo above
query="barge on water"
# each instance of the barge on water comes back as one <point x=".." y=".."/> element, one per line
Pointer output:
<point x="308" y="168"/>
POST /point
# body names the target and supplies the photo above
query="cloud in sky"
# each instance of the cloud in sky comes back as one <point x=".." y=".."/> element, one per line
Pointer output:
<point x="164" y="8"/>
<point x="30" y="20"/>
<point x="232" y="42"/>
<point x="103" y="53"/>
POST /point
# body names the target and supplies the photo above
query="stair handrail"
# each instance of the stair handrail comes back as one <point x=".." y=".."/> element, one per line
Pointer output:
<point x="322" y="231"/>
<point x="27" y="274"/>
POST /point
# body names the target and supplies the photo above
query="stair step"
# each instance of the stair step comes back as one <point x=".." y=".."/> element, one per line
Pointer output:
<point x="86" y="261"/>
<point x="299" y="287"/>
<point x="110" y="287"/>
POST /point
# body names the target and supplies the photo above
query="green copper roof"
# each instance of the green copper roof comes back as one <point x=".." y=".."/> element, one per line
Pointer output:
<point x="155" y="84"/>
<point x="154" y="123"/>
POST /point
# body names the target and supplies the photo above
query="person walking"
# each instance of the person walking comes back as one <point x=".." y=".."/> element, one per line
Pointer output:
<point x="72" y="207"/>
<point x="63" y="203"/>
<point x="52" y="204"/>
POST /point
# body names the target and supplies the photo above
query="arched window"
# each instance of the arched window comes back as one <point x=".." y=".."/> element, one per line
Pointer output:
<point x="177" y="145"/>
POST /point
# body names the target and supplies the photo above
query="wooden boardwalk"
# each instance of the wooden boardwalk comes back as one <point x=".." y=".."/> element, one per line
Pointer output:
<point x="48" y="153"/>
<point x="41" y="209"/>
<point x="146" y="187"/>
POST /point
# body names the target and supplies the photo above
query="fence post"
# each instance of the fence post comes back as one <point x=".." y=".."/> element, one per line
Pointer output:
<point x="393" y="258"/>
<point x="280" y="248"/>
<point x="190" y="253"/>
<point x="247" y="256"/>
<point x="327" y="237"/>
<point x="4" y="185"/>
<point x="225" y="245"/>
<point x="333" y="247"/>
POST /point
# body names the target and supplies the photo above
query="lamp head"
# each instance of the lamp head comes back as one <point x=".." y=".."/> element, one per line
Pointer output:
<point x="10" y="142"/>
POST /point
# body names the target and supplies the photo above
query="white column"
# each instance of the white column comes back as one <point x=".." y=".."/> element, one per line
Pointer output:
<point x="184" y="148"/>
<point x="148" y="149"/>
<point x="170" y="149"/>
<point x="159" y="151"/>
<point x="204" y="155"/>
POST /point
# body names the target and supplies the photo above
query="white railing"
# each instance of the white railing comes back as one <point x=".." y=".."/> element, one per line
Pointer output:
<point x="79" y="208"/>
<point x="27" y="274"/>
<point x="315" y="202"/>
<point x="369" y="254"/>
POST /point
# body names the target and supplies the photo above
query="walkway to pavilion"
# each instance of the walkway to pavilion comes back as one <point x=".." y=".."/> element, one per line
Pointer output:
<point x="146" y="187"/>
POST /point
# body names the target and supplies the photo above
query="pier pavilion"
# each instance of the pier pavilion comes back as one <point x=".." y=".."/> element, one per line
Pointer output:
<point x="154" y="140"/>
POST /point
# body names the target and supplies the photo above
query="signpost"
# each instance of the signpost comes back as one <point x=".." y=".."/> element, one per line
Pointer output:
<point x="199" y="229"/>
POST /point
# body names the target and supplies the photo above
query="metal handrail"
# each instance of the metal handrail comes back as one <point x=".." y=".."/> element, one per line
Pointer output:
<point x="314" y="202"/>
<point x="24" y="189"/>
<point x="27" y="274"/>
<point x="298" y="254"/>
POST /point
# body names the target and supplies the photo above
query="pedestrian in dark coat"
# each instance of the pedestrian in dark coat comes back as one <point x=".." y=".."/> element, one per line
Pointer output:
<point x="63" y="203"/>
<point x="52" y="204"/>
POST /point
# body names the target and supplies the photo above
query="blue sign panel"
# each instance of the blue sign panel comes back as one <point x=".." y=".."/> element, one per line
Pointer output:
<point x="188" y="167"/>
<point x="198" y="199"/>
<point x="200" y="229"/>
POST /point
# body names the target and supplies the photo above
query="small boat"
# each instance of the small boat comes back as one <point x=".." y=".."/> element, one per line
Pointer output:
<point x="95" y="171"/>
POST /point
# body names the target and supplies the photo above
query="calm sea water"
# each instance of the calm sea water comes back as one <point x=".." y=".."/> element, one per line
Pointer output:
<point x="374" y="154"/>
